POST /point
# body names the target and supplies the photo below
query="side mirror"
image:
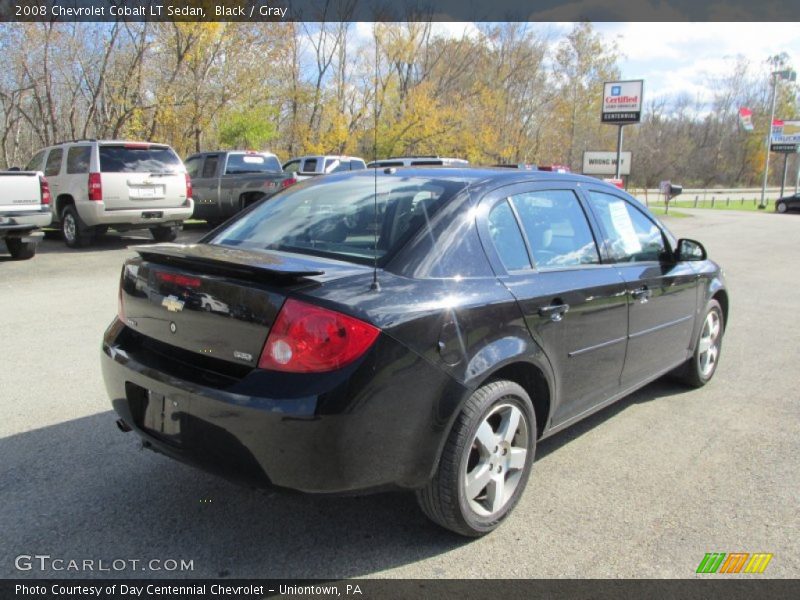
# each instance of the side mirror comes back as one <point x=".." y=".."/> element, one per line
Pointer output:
<point x="690" y="250"/>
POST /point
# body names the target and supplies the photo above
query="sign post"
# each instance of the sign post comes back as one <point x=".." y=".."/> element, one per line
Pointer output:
<point x="784" y="139"/>
<point x="622" y="104"/>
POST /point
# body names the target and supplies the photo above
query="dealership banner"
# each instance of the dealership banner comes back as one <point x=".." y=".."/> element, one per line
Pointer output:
<point x="708" y="587"/>
<point x="785" y="136"/>
<point x="622" y="101"/>
<point x="746" y="119"/>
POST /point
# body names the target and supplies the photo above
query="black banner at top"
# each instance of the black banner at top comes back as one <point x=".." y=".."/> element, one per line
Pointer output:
<point x="674" y="11"/>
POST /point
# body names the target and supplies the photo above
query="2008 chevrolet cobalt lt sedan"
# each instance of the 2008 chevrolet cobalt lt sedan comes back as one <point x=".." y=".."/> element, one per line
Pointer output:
<point x="418" y="329"/>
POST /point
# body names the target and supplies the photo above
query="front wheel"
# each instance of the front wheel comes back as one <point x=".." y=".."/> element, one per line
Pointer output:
<point x="485" y="463"/>
<point x="699" y="369"/>
<point x="781" y="207"/>
<point x="164" y="234"/>
<point x="20" y="250"/>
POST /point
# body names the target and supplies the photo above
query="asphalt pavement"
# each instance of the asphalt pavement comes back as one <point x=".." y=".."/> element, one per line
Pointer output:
<point x="644" y="488"/>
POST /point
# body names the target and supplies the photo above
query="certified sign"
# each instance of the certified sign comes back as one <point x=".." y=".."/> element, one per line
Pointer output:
<point x="622" y="101"/>
<point x="605" y="163"/>
<point x="785" y="136"/>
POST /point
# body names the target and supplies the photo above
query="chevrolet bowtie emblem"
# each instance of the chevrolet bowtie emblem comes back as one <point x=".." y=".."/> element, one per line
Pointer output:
<point x="172" y="303"/>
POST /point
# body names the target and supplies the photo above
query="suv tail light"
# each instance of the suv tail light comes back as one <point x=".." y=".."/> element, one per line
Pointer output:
<point x="310" y="339"/>
<point x="44" y="188"/>
<point x="95" y="187"/>
<point x="287" y="182"/>
<point x="189" y="189"/>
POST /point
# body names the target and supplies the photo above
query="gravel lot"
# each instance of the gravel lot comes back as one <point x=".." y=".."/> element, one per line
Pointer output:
<point x="642" y="489"/>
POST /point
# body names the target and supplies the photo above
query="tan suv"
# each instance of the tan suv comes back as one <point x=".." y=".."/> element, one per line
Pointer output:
<point x="123" y="185"/>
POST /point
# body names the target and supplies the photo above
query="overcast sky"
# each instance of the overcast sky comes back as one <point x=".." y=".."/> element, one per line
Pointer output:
<point x="675" y="58"/>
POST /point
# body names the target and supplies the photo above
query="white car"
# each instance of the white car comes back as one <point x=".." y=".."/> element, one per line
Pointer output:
<point x="303" y="167"/>
<point x="119" y="184"/>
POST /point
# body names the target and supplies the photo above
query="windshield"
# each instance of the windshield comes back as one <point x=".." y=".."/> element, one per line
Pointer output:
<point x="139" y="159"/>
<point x="252" y="163"/>
<point x="337" y="218"/>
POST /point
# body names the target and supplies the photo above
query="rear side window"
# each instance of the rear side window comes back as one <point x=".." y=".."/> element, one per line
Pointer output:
<point x="210" y="166"/>
<point x="557" y="230"/>
<point x="35" y="164"/>
<point x="78" y="159"/>
<point x="310" y="165"/>
<point x="631" y="236"/>
<point x="507" y="237"/>
<point x="53" y="166"/>
<point x="251" y="163"/>
<point x="139" y="159"/>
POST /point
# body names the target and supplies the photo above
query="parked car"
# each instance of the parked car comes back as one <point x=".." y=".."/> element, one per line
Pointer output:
<point x="226" y="182"/>
<point x="788" y="203"/>
<point x="118" y="184"/>
<point x="418" y="329"/>
<point x="304" y="167"/>
<point x="24" y="210"/>
<point x="418" y="161"/>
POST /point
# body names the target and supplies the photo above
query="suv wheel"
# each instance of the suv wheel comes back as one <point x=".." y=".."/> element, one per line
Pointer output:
<point x="76" y="234"/>
<point x="20" y="250"/>
<point x="164" y="234"/>
<point x="485" y="463"/>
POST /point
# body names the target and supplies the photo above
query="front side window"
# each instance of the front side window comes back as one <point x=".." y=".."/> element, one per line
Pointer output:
<point x="339" y="219"/>
<point x="310" y="165"/>
<point x="53" y="166"/>
<point x="507" y="238"/>
<point x="631" y="235"/>
<point x="557" y="230"/>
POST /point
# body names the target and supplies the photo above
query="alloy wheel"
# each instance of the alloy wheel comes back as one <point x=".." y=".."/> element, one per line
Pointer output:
<point x="709" y="344"/>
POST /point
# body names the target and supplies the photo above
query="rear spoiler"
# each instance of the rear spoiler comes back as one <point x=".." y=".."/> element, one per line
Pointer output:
<point x="233" y="262"/>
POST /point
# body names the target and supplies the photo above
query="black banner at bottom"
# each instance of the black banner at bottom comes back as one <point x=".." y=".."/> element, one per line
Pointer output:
<point x="368" y="589"/>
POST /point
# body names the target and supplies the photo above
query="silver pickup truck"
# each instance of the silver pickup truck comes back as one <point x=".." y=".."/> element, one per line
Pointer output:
<point x="24" y="209"/>
<point x="226" y="182"/>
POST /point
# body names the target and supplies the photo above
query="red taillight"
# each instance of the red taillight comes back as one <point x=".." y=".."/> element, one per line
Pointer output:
<point x="188" y="186"/>
<point x="309" y="339"/>
<point x="95" y="187"/>
<point x="179" y="280"/>
<point x="287" y="182"/>
<point x="44" y="187"/>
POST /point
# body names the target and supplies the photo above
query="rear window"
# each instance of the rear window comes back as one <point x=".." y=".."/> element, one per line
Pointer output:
<point x="338" y="219"/>
<point x="251" y="163"/>
<point x="139" y="159"/>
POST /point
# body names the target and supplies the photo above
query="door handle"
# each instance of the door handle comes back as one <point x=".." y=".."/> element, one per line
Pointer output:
<point x="555" y="312"/>
<point x="643" y="294"/>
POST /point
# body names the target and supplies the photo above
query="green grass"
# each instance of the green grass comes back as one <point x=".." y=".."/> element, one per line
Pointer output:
<point x="748" y="205"/>
<point x="659" y="210"/>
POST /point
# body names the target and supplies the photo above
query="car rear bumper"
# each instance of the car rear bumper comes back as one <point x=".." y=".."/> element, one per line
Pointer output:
<point x="362" y="429"/>
<point x="96" y="213"/>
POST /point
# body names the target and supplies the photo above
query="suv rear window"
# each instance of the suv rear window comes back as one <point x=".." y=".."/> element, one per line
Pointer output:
<point x="138" y="159"/>
<point x="339" y="220"/>
<point x="251" y="163"/>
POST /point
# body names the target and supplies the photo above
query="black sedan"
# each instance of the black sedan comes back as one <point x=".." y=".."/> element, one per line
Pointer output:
<point x="787" y="203"/>
<point x="418" y="329"/>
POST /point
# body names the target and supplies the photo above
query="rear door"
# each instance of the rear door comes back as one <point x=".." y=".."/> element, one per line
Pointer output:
<point x="662" y="293"/>
<point x="141" y="176"/>
<point x="574" y="305"/>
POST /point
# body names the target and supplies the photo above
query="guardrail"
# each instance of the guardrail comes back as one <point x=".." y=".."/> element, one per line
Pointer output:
<point x="710" y="197"/>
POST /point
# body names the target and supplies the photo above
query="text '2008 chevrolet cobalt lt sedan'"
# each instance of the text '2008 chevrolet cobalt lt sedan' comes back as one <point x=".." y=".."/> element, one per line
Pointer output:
<point x="407" y="328"/>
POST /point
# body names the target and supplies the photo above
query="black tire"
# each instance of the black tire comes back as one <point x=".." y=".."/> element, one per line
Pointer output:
<point x="445" y="499"/>
<point x="164" y="234"/>
<point x="698" y="371"/>
<point x="76" y="233"/>
<point x="20" y="250"/>
<point x="781" y="207"/>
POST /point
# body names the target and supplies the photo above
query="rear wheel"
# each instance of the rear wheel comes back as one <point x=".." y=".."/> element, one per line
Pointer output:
<point x="485" y="463"/>
<point x="20" y="250"/>
<point x="699" y="369"/>
<point x="781" y="207"/>
<point x="164" y="234"/>
<point x="76" y="233"/>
